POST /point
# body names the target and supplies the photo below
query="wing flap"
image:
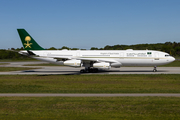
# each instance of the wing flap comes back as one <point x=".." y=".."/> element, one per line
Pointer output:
<point x="98" y="60"/>
<point x="60" y="57"/>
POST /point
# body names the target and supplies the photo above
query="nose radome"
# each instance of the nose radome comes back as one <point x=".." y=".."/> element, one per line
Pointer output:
<point x="173" y="59"/>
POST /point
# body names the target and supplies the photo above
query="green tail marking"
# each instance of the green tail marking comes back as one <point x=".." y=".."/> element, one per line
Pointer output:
<point x="28" y="42"/>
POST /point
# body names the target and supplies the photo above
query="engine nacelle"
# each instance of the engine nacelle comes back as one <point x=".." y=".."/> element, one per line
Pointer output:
<point x="116" y="65"/>
<point x="73" y="63"/>
<point x="102" y="65"/>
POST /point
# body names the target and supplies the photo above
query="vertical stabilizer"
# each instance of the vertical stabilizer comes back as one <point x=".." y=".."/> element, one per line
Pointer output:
<point x="28" y="42"/>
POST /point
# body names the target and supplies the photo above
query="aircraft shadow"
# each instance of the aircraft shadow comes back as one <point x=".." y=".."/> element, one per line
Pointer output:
<point x="99" y="72"/>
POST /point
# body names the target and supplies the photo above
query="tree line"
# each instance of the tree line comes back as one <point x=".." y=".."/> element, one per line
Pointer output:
<point x="168" y="47"/>
<point x="12" y="55"/>
<point x="173" y="48"/>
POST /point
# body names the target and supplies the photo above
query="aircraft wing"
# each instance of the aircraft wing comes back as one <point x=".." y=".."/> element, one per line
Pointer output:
<point x="68" y="57"/>
<point x="98" y="60"/>
<point x="60" y="57"/>
<point x="85" y="59"/>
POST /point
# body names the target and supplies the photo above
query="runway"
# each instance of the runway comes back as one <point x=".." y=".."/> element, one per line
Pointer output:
<point x="57" y="70"/>
<point x="88" y="95"/>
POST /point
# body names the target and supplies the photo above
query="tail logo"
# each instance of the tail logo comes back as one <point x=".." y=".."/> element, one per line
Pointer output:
<point x="28" y="39"/>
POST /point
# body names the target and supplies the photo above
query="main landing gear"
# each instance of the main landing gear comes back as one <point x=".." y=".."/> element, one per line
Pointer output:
<point x="155" y="69"/>
<point x="89" y="70"/>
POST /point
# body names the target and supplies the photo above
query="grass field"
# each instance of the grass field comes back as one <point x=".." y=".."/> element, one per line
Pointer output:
<point x="4" y="63"/>
<point x="86" y="108"/>
<point x="162" y="83"/>
<point x="173" y="64"/>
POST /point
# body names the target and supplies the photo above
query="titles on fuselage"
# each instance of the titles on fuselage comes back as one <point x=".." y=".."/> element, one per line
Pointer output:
<point x="136" y="54"/>
<point x="109" y="53"/>
<point x="130" y="54"/>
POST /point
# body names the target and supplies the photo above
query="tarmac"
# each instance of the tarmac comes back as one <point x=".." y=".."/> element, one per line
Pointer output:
<point x="57" y="70"/>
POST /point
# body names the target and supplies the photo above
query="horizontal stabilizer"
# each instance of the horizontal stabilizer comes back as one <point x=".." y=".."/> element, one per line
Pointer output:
<point x="30" y="52"/>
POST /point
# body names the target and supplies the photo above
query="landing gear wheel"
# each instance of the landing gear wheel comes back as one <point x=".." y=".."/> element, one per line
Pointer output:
<point x="155" y="70"/>
<point x="82" y="71"/>
<point x="95" y="70"/>
<point x="90" y="70"/>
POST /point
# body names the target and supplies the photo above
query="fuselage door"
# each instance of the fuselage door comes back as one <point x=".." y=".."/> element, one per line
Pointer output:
<point x="121" y="55"/>
<point x="78" y="54"/>
<point x="45" y="54"/>
<point x="156" y="56"/>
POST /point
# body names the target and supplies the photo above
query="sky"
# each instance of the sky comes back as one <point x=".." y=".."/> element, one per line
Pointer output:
<point x="89" y="23"/>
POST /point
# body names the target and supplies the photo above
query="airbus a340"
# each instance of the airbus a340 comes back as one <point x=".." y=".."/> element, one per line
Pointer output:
<point x="93" y="60"/>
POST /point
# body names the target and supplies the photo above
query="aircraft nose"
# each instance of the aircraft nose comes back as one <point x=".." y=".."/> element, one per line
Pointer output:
<point x="173" y="59"/>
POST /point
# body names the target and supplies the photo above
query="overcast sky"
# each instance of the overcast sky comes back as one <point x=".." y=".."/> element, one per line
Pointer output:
<point x="89" y="23"/>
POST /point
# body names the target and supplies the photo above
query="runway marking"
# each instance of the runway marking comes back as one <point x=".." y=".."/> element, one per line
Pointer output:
<point x="89" y="95"/>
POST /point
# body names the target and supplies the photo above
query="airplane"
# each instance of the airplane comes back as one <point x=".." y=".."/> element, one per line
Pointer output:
<point x="93" y="60"/>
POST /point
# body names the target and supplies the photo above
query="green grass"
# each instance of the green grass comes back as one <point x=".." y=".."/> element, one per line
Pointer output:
<point x="177" y="58"/>
<point x="7" y="69"/>
<point x="88" y="108"/>
<point x="4" y="63"/>
<point x="163" y="83"/>
<point x="176" y="63"/>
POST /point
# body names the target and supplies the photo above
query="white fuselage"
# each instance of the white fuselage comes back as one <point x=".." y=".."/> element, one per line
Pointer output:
<point x="106" y="58"/>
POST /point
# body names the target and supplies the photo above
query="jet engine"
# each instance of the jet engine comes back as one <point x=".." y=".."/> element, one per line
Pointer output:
<point x="73" y="63"/>
<point x="102" y="65"/>
<point x="116" y="65"/>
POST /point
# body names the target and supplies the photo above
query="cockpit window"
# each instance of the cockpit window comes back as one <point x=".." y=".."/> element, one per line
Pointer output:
<point x="167" y="55"/>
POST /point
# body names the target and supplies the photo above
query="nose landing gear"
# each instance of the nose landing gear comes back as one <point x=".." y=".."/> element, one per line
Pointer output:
<point x="155" y="69"/>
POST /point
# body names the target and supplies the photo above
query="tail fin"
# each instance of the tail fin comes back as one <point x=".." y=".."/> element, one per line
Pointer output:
<point x="28" y="42"/>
